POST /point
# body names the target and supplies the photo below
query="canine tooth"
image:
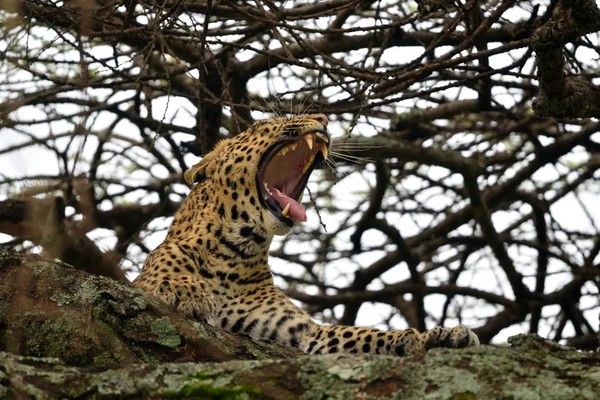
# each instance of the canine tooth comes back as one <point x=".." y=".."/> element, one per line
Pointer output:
<point x="309" y="141"/>
<point x="308" y="164"/>
<point x="286" y="210"/>
<point x="325" y="151"/>
<point x="322" y="137"/>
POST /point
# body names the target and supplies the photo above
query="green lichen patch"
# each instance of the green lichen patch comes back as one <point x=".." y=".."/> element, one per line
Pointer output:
<point x="321" y="379"/>
<point x="143" y="355"/>
<point x="106" y="358"/>
<point x="9" y="257"/>
<point x="209" y="392"/>
<point x="277" y="379"/>
<point x="464" y="396"/>
<point x="166" y="332"/>
<point x="46" y="338"/>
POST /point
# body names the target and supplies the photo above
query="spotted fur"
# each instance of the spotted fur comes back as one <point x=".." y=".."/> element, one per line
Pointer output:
<point x="213" y="264"/>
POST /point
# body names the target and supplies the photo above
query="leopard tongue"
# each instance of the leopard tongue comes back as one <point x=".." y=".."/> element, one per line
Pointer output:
<point x="296" y="211"/>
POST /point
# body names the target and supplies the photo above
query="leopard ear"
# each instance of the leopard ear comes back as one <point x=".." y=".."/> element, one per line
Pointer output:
<point x="205" y="167"/>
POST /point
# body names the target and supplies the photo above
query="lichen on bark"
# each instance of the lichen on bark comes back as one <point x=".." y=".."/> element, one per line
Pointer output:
<point x="48" y="309"/>
<point x="532" y="368"/>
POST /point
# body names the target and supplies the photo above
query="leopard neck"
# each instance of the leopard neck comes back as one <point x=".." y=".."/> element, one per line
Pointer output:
<point x="209" y="228"/>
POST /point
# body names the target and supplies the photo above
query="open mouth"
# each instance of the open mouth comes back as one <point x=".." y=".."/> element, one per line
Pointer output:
<point x="284" y="170"/>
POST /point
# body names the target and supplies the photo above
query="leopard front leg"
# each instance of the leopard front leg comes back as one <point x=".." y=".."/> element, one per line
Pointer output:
<point x="266" y="313"/>
<point x="172" y="274"/>
<point x="347" y="339"/>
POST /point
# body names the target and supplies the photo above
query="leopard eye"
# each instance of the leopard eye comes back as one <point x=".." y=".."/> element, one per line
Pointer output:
<point x="290" y="132"/>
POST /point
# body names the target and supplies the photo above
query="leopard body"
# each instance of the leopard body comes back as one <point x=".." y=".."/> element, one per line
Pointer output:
<point x="213" y="263"/>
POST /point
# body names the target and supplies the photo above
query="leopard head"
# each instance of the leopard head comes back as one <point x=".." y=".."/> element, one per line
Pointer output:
<point x="256" y="179"/>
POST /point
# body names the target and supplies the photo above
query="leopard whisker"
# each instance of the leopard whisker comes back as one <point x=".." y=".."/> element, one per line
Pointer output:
<point x="334" y="168"/>
<point x="342" y="144"/>
<point x="354" y="146"/>
<point x="350" y="158"/>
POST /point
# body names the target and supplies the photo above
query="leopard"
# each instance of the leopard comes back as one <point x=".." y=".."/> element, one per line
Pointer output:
<point x="213" y="263"/>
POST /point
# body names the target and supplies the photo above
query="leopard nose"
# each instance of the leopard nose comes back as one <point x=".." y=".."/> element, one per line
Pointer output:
<point x="321" y="118"/>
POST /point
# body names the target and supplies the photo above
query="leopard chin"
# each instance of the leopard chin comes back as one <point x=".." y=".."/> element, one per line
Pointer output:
<point x="275" y="226"/>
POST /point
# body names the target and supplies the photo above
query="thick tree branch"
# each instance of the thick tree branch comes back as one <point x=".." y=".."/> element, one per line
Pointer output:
<point x="486" y="372"/>
<point x="562" y="96"/>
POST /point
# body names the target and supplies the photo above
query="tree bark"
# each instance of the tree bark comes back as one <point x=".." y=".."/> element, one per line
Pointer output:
<point x="67" y="334"/>
<point x="532" y="368"/>
<point x="49" y="309"/>
<point x="562" y="96"/>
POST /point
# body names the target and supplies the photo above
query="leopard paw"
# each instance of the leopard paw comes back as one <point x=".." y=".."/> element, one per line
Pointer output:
<point x="187" y="296"/>
<point x="456" y="338"/>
